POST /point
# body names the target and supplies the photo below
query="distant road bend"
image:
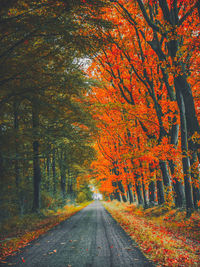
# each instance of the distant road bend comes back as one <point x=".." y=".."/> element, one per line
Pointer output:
<point x="90" y="238"/>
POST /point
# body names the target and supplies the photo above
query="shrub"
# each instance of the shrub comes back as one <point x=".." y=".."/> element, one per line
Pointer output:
<point x="82" y="197"/>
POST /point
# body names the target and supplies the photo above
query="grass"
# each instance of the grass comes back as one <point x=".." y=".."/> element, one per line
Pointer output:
<point x="19" y="231"/>
<point x="165" y="237"/>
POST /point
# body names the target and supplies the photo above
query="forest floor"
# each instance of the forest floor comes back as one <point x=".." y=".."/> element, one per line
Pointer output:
<point x="17" y="232"/>
<point x="165" y="236"/>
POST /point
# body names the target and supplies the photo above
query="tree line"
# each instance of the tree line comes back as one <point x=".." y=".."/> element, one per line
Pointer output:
<point x="45" y="132"/>
<point x="147" y="103"/>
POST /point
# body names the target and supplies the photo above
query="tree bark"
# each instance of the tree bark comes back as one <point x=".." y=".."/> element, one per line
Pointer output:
<point x="160" y="191"/>
<point x="63" y="184"/>
<point x="54" y="170"/>
<point x="138" y="191"/>
<point x="144" y="194"/>
<point x="130" y="193"/>
<point x="16" y="127"/>
<point x="192" y="124"/>
<point x="179" y="196"/>
<point x="185" y="158"/>
<point x="17" y="163"/>
<point x="152" y="193"/>
<point x="36" y="161"/>
<point x="177" y="185"/>
<point x="121" y="188"/>
<point x="117" y="195"/>
<point x="195" y="179"/>
<point x="48" y="172"/>
<point x="165" y="173"/>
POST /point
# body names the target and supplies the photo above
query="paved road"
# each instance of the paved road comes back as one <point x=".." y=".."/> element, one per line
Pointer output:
<point x="90" y="238"/>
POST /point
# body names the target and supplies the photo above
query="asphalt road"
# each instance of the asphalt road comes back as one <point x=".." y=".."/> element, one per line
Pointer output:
<point x="90" y="238"/>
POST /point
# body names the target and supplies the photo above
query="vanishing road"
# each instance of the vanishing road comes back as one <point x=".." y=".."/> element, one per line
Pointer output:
<point x="89" y="238"/>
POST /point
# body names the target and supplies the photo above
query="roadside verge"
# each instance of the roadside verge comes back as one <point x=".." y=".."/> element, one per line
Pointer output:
<point x="32" y="226"/>
<point x="158" y="243"/>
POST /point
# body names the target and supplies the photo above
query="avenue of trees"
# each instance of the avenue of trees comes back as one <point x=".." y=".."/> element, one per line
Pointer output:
<point x="104" y="89"/>
<point x="45" y="134"/>
<point x="147" y="103"/>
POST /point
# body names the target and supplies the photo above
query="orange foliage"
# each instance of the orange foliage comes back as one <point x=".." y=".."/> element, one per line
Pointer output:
<point x="133" y="108"/>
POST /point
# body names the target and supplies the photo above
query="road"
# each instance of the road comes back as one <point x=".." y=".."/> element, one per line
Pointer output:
<point x="90" y="238"/>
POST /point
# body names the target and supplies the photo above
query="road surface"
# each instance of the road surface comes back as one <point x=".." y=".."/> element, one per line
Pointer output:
<point x="90" y="238"/>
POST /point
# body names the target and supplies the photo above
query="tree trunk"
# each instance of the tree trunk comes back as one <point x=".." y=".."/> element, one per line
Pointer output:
<point x="54" y="170"/>
<point x="36" y="161"/>
<point x="117" y="195"/>
<point x="121" y="188"/>
<point x="63" y="184"/>
<point x="152" y="193"/>
<point x="130" y="193"/>
<point x="17" y="166"/>
<point x="62" y="166"/>
<point x="185" y="158"/>
<point x="48" y="172"/>
<point x="195" y="179"/>
<point x="160" y="191"/>
<point x="177" y="185"/>
<point x="144" y="194"/>
<point x="111" y="197"/>
<point x="165" y="173"/>
<point x="138" y="192"/>
<point x="192" y="123"/>
<point x="179" y="196"/>
<point x="16" y="127"/>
